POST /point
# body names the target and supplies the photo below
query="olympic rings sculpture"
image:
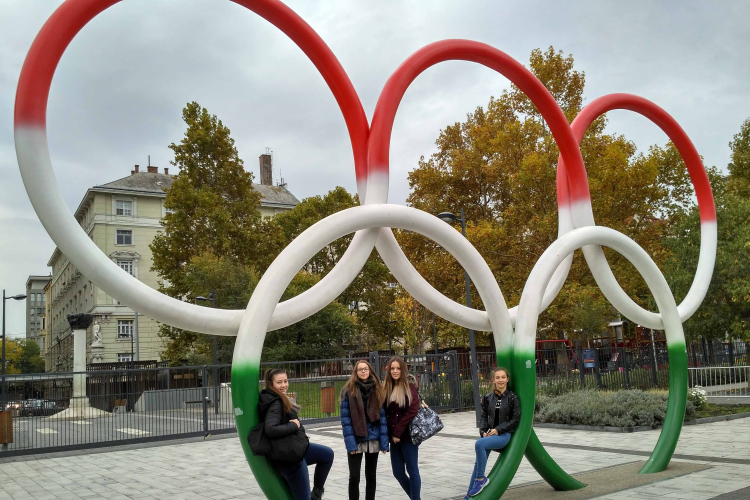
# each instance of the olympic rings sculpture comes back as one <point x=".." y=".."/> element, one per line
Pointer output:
<point x="514" y="329"/>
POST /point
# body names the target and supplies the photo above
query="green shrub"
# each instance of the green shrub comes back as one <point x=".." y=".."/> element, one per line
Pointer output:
<point x="613" y="409"/>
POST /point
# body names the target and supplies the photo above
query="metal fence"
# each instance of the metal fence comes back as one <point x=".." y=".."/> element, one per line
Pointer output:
<point x="716" y="353"/>
<point x="135" y="404"/>
<point x="727" y="381"/>
<point x="151" y="403"/>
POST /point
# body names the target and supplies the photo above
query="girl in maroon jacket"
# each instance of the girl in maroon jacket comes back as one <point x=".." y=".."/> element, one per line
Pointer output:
<point x="401" y="406"/>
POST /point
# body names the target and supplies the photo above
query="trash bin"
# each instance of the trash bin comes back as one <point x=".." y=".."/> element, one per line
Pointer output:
<point x="327" y="398"/>
<point x="6" y="427"/>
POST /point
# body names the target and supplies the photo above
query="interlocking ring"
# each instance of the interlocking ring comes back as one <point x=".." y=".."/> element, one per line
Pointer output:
<point x="372" y="223"/>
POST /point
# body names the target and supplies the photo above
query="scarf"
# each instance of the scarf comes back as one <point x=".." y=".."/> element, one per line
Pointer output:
<point x="360" y="419"/>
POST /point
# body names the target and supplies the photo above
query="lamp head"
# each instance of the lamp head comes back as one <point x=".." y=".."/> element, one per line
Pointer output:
<point x="20" y="296"/>
<point x="448" y="217"/>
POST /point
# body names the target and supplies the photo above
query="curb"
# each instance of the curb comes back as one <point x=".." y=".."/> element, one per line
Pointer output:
<point x="720" y="418"/>
<point x="595" y="428"/>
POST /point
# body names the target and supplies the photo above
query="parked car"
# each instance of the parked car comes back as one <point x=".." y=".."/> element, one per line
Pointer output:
<point x="39" y="407"/>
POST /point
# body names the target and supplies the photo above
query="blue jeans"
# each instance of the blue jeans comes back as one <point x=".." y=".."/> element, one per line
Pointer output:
<point x="297" y="476"/>
<point x="482" y="448"/>
<point x="405" y="456"/>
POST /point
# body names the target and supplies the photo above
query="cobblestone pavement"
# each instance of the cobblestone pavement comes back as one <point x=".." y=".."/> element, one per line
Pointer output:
<point x="216" y="468"/>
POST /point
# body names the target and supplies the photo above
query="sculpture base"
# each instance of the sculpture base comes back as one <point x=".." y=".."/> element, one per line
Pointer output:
<point x="79" y="409"/>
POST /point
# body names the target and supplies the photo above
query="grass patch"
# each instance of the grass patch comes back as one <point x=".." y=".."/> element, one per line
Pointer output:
<point x="714" y="410"/>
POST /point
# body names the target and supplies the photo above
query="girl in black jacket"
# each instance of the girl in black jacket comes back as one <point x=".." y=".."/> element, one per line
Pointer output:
<point x="501" y="413"/>
<point x="282" y="426"/>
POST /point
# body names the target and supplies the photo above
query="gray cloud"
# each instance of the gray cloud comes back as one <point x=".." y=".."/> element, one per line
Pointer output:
<point x="119" y="90"/>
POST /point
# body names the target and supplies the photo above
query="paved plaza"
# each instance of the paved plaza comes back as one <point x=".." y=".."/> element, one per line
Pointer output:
<point x="718" y="454"/>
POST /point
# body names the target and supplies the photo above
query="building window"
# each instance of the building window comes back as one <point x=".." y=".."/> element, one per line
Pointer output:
<point x="124" y="328"/>
<point x="124" y="357"/>
<point x="124" y="207"/>
<point x="124" y="237"/>
<point x="126" y="265"/>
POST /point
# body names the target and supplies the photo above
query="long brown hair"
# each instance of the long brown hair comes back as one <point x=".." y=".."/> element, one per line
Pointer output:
<point x="398" y="391"/>
<point x="351" y="384"/>
<point x="268" y="377"/>
<point x="492" y="376"/>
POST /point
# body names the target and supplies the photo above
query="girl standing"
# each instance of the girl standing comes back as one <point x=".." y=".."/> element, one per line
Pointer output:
<point x="402" y="405"/>
<point x="281" y="424"/>
<point x="501" y="413"/>
<point x="364" y="425"/>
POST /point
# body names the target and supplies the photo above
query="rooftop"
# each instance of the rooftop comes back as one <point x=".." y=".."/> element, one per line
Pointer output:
<point x="154" y="182"/>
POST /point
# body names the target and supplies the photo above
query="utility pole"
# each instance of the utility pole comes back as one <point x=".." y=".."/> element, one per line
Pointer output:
<point x="449" y="217"/>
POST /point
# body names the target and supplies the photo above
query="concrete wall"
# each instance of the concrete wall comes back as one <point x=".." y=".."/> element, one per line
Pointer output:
<point x="169" y="399"/>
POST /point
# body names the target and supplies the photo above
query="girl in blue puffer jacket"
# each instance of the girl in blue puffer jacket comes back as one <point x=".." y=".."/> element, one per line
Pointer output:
<point x="364" y="425"/>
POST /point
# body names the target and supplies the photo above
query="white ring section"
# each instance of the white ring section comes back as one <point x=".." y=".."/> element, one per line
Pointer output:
<point x="45" y="196"/>
<point x="530" y="305"/>
<point x="582" y="213"/>
<point x="283" y="269"/>
<point x="43" y="190"/>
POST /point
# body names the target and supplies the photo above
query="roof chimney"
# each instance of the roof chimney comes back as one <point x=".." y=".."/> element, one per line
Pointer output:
<point x="166" y="171"/>
<point x="153" y="170"/>
<point x="134" y="171"/>
<point x="266" y="168"/>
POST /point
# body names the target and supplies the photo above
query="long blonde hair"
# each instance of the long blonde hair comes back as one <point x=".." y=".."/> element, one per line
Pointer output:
<point x="351" y="385"/>
<point x="398" y="391"/>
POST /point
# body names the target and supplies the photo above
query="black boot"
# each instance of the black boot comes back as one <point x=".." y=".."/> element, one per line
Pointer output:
<point x="317" y="493"/>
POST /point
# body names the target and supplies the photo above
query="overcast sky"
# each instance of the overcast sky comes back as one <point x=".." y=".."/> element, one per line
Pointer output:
<point x="120" y="88"/>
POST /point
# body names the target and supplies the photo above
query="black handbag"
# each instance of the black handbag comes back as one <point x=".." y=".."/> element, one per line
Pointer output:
<point x="425" y="425"/>
<point x="259" y="443"/>
<point x="290" y="448"/>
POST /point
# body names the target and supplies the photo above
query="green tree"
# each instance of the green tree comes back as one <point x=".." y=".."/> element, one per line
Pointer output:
<point x="500" y="166"/>
<point x="322" y="335"/>
<point x="22" y="356"/>
<point x="213" y="206"/>
<point x="589" y="318"/>
<point x="369" y="289"/>
<point x="233" y="276"/>
<point x="739" y="167"/>
<point x="726" y="308"/>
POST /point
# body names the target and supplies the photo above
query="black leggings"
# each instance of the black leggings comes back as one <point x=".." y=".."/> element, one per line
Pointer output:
<point x="371" y="470"/>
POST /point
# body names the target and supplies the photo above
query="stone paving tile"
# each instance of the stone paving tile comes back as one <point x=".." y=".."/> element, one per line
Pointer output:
<point x="216" y="469"/>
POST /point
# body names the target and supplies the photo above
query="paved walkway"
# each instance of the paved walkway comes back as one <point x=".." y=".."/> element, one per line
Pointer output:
<point x="216" y="469"/>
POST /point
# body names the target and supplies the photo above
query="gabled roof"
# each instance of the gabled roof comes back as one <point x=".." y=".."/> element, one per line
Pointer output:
<point x="150" y="182"/>
<point x="275" y="196"/>
<point x="143" y="182"/>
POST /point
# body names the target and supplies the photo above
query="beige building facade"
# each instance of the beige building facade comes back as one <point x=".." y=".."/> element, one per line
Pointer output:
<point x="122" y="218"/>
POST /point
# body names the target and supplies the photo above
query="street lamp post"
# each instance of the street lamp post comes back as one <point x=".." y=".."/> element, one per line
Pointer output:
<point x="212" y="298"/>
<point x="449" y="217"/>
<point x="4" y="388"/>
<point x="390" y="345"/>
<point x="434" y="335"/>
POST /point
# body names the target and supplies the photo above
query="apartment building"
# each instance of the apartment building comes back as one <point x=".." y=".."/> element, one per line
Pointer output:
<point x="122" y="218"/>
